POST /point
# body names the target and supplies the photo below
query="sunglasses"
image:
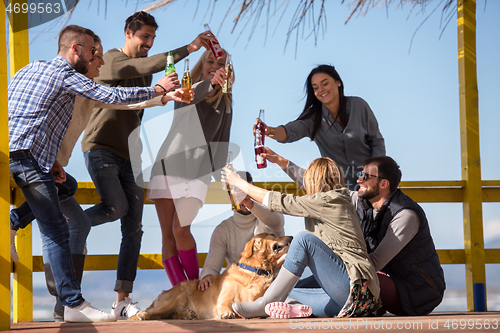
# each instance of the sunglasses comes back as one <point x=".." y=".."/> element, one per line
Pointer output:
<point x="367" y="176"/>
<point x="93" y="49"/>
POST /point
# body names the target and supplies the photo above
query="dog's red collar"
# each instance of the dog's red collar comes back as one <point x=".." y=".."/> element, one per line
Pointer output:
<point x="257" y="271"/>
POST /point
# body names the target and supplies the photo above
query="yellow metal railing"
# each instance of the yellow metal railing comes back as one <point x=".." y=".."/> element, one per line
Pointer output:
<point x="420" y="191"/>
<point x="4" y="184"/>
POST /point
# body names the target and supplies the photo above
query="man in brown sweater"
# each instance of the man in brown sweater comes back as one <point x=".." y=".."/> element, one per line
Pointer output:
<point x="109" y="147"/>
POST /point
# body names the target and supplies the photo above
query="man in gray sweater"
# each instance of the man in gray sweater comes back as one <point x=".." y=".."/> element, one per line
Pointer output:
<point x="108" y="155"/>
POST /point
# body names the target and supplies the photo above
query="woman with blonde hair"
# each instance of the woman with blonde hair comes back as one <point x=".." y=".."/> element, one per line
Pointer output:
<point x="333" y="247"/>
<point x="195" y="147"/>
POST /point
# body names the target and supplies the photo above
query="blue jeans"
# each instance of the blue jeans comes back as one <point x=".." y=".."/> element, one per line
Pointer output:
<point x="328" y="289"/>
<point x="122" y="197"/>
<point x="78" y="222"/>
<point x="40" y="192"/>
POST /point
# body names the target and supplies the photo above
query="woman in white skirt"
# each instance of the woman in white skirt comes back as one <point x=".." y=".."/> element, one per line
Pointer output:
<point x="196" y="146"/>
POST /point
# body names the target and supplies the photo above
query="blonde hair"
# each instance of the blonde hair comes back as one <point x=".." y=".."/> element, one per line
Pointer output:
<point x="323" y="175"/>
<point x="196" y="74"/>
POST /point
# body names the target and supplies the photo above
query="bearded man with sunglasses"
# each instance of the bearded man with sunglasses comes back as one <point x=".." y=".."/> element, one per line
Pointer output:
<point x="399" y="241"/>
<point x="41" y="96"/>
<point x="397" y="237"/>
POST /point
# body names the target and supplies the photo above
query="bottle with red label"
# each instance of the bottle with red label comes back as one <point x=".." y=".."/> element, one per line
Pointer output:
<point x="260" y="130"/>
<point x="214" y="46"/>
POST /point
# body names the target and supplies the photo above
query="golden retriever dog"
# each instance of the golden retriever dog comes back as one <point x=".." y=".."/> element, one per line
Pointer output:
<point x="244" y="281"/>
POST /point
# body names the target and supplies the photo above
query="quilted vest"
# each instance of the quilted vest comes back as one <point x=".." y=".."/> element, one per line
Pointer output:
<point x="416" y="269"/>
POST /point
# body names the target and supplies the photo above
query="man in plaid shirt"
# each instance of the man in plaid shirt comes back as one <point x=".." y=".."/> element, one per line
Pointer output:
<point x="41" y="99"/>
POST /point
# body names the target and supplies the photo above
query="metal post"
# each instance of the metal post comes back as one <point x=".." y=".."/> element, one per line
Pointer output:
<point x="5" y="263"/>
<point x="23" y="274"/>
<point x="469" y="140"/>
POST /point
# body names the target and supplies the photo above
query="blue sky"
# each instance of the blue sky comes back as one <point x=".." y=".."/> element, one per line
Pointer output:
<point x="414" y="95"/>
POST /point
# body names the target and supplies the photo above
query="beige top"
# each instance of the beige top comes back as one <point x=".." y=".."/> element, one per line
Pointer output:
<point x="81" y="114"/>
<point x="332" y="218"/>
<point x="229" y="238"/>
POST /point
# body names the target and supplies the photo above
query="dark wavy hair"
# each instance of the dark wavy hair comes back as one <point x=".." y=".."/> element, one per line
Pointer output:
<point x="387" y="169"/>
<point x="313" y="105"/>
<point x="135" y="21"/>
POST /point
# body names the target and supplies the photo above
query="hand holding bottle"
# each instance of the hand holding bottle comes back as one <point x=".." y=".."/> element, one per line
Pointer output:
<point x="169" y="82"/>
<point x="272" y="157"/>
<point x="257" y="121"/>
<point x="219" y="77"/>
<point x="202" y="40"/>
<point x="231" y="178"/>
<point x="178" y="96"/>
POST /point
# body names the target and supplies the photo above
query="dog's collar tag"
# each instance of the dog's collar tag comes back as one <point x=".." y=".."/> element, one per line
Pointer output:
<point x="255" y="270"/>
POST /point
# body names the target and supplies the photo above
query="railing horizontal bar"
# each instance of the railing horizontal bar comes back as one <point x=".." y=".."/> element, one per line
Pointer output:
<point x="109" y="262"/>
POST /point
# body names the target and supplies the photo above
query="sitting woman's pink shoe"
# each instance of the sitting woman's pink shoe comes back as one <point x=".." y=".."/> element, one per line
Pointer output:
<point x="283" y="310"/>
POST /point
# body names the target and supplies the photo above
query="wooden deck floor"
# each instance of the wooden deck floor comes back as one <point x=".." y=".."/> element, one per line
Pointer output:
<point x="436" y="322"/>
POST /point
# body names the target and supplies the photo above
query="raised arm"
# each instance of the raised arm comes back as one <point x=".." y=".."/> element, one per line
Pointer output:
<point x="175" y="95"/>
<point x="232" y="178"/>
<point x="82" y="86"/>
<point x="291" y="169"/>
<point x="276" y="133"/>
<point x="273" y="220"/>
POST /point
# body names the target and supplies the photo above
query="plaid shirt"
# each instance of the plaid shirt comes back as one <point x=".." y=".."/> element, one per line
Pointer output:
<point x="41" y="99"/>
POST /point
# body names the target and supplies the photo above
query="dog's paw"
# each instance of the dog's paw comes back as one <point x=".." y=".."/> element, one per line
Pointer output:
<point x="228" y="315"/>
<point x="191" y="315"/>
<point x="186" y="315"/>
<point x="139" y="316"/>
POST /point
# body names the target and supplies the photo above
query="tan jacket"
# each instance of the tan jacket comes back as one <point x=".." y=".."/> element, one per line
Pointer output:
<point x="332" y="218"/>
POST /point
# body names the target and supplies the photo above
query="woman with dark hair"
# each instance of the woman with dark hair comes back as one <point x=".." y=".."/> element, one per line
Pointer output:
<point x="343" y="127"/>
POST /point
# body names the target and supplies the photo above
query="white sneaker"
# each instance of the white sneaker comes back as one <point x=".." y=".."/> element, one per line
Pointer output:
<point x="125" y="309"/>
<point x="86" y="313"/>
<point x="13" y="252"/>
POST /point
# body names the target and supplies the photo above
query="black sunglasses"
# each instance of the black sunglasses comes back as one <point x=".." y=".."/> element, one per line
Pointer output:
<point x="367" y="176"/>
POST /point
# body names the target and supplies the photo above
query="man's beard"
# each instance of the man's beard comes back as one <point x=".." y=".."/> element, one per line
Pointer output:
<point x="369" y="193"/>
<point x="81" y="66"/>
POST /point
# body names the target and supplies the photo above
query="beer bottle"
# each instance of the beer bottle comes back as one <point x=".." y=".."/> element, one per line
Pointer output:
<point x="234" y="204"/>
<point x="260" y="129"/>
<point x="170" y="68"/>
<point x="228" y="86"/>
<point x="186" y="81"/>
<point x="214" y="46"/>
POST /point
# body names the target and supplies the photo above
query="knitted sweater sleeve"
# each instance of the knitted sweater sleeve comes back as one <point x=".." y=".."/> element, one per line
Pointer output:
<point x="121" y="67"/>
<point x="273" y="220"/>
<point x="217" y="252"/>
